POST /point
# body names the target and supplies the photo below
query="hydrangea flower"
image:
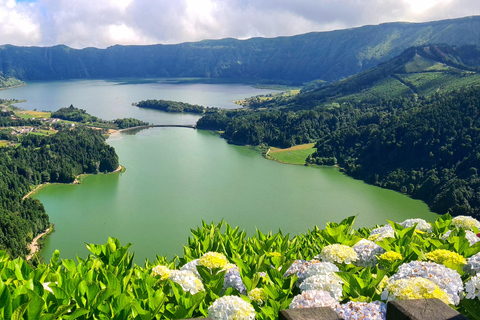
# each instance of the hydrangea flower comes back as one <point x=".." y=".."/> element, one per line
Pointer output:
<point x="231" y="308"/>
<point x="445" y="278"/>
<point x="446" y="257"/>
<point x="161" y="271"/>
<point x="422" y="225"/>
<point x="465" y="222"/>
<point x="329" y="282"/>
<point x="473" y="264"/>
<point x="313" y="299"/>
<point x="234" y="280"/>
<point x="389" y="257"/>
<point x="380" y="233"/>
<point x="258" y="295"/>
<point x="317" y="268"/>
<point x="469" y="235"/>
<point x="414" y="288"/>
<point x="376" y="310"/>
<point x="192" y="266"/>
<point x="367" y="251"/>
<point x="338" y="253"/>
<point x="213" y="260"/>
<point x="188" y="280"/>
<point x="472" y="287"/>
<point x="298" y="265"/>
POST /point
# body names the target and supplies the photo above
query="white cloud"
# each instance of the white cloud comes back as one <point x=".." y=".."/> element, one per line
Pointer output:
<point x="101" y="23"/>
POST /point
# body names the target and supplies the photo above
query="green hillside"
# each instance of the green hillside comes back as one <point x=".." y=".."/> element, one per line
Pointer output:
<point x="9" y="82"/>
<point x="418" y="71"/>
<point x="328" y="56"/>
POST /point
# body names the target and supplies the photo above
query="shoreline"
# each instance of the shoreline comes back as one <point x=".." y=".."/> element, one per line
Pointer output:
<point x="33" y="246"/>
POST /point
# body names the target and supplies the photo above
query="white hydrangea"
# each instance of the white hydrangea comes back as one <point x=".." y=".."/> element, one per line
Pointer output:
<point x="338" y="253"/>
<point x="473" y="264"/>
<point x="422" y="225"/>
<point x="367" y="251"/>
<point x="469" y="235"/>
<point x="380" y="233"/>
<point x="231" y="308"/>
<point x="465" y="222"/>
<point x="327" y="282"/>
<point x="317" y="268"/>
<point x="296" y="266"/>
<point x="376" y="310"/>
<point x="192" y="266"/>
<point x="313" y="299"/>
<point x="472" y="287"/>
<point x="234" y="280"/>
<point x="188" y="280"/>
<point x="446" y="279"/>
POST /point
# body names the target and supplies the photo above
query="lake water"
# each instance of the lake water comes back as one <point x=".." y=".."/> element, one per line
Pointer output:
<point x="178" y="177"/>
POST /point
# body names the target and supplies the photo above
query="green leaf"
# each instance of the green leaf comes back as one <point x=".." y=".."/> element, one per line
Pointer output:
<point x="18" y="313"/>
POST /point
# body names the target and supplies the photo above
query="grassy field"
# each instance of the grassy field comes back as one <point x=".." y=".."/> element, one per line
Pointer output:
<point x="44" y="132"/>
<point x="3" y="143"/>
<point x="293" y="155"/>
<point x="28" y="114"/>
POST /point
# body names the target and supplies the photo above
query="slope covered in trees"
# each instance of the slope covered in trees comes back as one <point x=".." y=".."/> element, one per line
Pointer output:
<point x="39" y="159"/>
<point x="319" y="55"/>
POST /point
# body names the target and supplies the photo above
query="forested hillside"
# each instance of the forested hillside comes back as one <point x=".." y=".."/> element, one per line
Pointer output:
<point x="39" y="159"/>
<point x="319" y="55"/>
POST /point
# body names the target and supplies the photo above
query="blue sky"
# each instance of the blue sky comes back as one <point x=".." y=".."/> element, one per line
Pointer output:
<point x="102" y="23"/>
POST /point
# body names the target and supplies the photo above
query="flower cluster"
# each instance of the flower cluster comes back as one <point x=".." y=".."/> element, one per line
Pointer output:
<point x="188" y="280"/>
<point x="313" y="299"/>
<point x="213" y="260"/>
<point x="472" y="287"/>
<point x="314" y="268"/>
<point x="329" y="282"/>
<point x="161" y="271"/>
<point x="422" y="225"/>
<point x="473" y="264"/>
<point x="233" y="279"/>
<point x="465" y="222"/>
<point x="191" y="266"/>
<point x="231" y="308"/>
<point x="367" y="253"/>
<point x="338" y="253"/>
<point x="376" y="310"/>
<point x="446" y="279"/>
<point x="389" y="258"/>
<point x="380" y="233"/>
<point x="296" y="266"/>
<point x="414" y="288"/>
<point x="469" y="235"/>
<point x="258" y="295"/>
<point x="446" y="257"/>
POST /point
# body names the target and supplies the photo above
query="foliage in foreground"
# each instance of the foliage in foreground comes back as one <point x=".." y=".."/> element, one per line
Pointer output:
<point x="258" y="269"/>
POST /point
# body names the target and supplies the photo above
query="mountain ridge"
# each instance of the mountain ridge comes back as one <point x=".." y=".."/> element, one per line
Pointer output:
<point x="329" y="55"/>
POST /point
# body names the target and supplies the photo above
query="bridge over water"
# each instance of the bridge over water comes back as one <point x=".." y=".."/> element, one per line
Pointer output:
<point x="191" y="126"/>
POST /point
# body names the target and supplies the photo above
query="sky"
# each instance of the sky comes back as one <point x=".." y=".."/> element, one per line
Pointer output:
<point x="103" y="23"/>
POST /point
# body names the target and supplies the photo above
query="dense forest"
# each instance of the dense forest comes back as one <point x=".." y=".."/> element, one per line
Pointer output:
<point x="328" y="56"/>
<point x="428" y="147"/>
<point x="39" y="159"/>
<point x="174" y="106"/>
<point x="79" y="115"/>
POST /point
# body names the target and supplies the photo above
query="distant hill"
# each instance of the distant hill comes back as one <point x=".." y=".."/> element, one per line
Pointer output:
<point x="328" y="56"/>
<point x="418" y="71"/>
<point x="9" y="82"/>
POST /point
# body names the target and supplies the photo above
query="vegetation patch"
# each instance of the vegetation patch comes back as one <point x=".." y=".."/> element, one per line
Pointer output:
<point x="294" y="155"/>
<point x="226" y="274"/>
<point x="29" y="114"/>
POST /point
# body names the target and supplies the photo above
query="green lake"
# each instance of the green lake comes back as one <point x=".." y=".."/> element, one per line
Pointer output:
<point x="177" y="177"/>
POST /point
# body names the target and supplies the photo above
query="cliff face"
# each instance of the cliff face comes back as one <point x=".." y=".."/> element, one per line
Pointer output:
<point x="326" y="55"/>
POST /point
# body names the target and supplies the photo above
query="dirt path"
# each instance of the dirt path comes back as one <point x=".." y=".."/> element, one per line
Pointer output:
<point x="33" y="247"/>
